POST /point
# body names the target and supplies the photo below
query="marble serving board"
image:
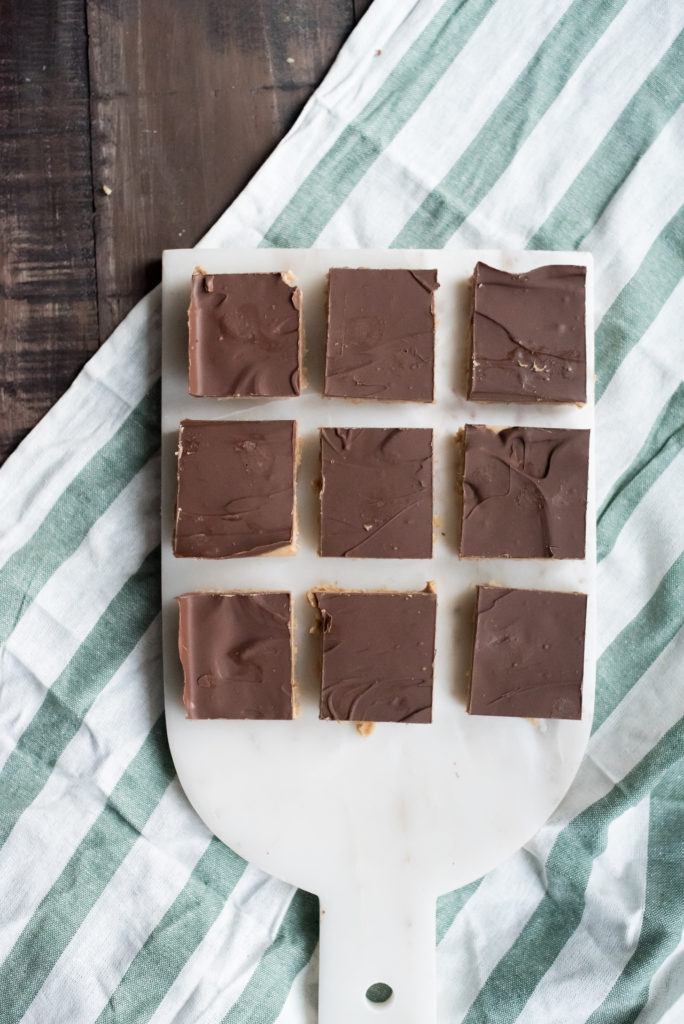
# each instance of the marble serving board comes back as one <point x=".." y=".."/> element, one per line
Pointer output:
<point x="378" y="826"/>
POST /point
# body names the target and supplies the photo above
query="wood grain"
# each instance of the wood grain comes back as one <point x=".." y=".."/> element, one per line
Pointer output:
<point x="187" y="100"/>
<point x="170" y="104"/>
<point x="360" y="8"/>
<point x="48" y="306"/>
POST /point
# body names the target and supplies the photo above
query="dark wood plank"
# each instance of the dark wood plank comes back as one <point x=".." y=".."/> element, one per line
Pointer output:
<point x="48" y="308"/>
<point x="360" y="8"/>
<point x="188" y="98"/>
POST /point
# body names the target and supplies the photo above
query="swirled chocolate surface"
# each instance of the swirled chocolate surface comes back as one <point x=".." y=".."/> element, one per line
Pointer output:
<point x="376" y="500"/>
<point x="236" y="654"/>
<point x="524" y="492"/>
<point x="235" y="488"/>
<point x="378" y="651"/>
<point x="381" y="334"/>
<point x="528" y="658"/>
<point x="529" y="335"/>
<point x="244" y="335"/>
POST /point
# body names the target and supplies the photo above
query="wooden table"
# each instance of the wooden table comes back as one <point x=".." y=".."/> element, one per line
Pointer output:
<point x="126" y="127"/>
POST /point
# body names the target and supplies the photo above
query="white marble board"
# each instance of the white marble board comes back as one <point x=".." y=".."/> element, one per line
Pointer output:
<point x="377" y="826"/>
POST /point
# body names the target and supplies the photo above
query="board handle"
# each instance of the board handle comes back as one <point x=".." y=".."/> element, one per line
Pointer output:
<point x="371" y="938"/>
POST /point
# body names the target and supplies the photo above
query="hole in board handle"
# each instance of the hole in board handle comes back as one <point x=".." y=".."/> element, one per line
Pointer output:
<point x="379" y="993"/>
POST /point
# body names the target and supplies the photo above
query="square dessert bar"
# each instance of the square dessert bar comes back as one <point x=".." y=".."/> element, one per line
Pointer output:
<point x="376" y="498"/>
<point x="245" y="335"/>
<point x="378" y="651"/>
<point x="529" y="335"/>
<point x="236" y="652"/>
<point x="381" y="334"/>
<point x="524" y="492"/>
<point x="235" y="488"/>
<point x="528" y="659"/>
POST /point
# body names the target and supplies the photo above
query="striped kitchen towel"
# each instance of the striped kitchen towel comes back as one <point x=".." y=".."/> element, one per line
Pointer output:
<point x="516" y="123"/>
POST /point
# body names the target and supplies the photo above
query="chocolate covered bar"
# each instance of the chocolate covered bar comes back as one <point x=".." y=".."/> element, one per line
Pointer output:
<point x="236" y="652"/>
<point x="244" y="336"/>
<point x="528" y="657"/>
<point x="528" y="335"/>
<point x="235" y="488"/>
<point x="381" y="334"/>
<point x="378" y="650"/>
<point x="524" y="492"/>
<point x="376" y="498"/>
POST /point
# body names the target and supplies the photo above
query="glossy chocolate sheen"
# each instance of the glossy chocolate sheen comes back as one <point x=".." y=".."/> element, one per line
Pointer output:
<point x="381" y="334"/>
<point x="524" y="492"/>
<point x="236" y="652"/>
<point x="235" y="488"/>
<point x="376" y="500"/>
<point x="528" y="659"/>
<point x="244" y="335"/>
<point x="378" y="651"/>
<point x="529" y="335"/>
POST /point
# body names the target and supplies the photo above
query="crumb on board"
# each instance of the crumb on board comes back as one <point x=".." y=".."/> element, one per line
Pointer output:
<point x="107" y="190"/>
<point x="365" y="728"/>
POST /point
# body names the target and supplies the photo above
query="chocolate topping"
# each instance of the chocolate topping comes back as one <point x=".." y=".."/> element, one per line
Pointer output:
<point x="376" y="500"/>
<point x="381" y="334"/>
<point x="524" y="492"/>
<point x="236" y="653"/>
<point x="529" y="654"/>
<point x="378" y="651"/>
<point x="529" y="336"/>
<point x="244" y="335"/>
<point x="235" y="488"/>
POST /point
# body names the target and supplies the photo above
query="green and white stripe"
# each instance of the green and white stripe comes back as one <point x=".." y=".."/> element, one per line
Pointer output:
<point x="511" y="123"/>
